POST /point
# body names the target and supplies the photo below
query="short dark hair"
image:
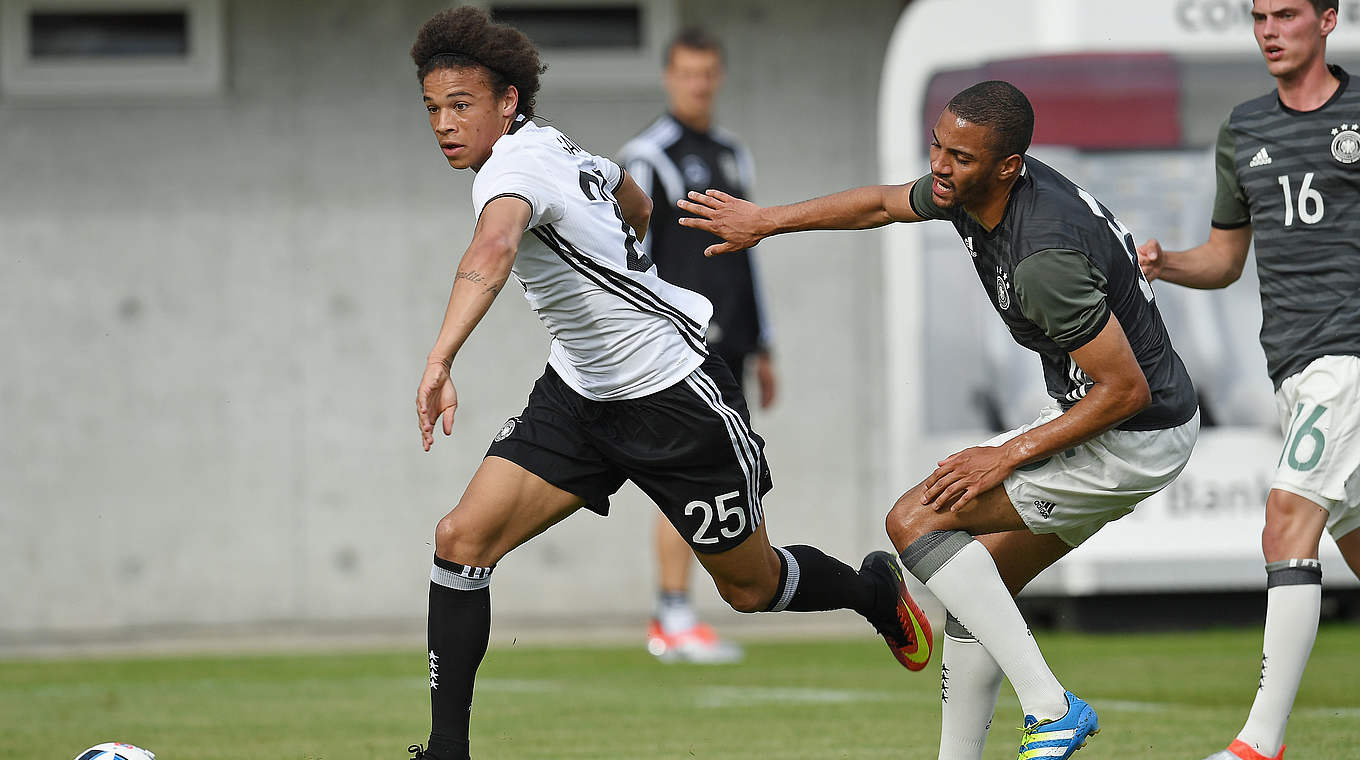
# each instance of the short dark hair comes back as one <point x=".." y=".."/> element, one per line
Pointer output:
<point x="1325" y="5"/>
<point x="1002" y="108"/>
<point x="693" y="38"/>
<point x="466" y="37"/>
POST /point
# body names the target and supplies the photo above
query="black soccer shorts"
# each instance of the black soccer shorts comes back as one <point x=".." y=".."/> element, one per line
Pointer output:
<point x="689" y="447"/>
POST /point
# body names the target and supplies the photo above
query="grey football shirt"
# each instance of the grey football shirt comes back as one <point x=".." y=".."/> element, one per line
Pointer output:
<point x="1055" y="268"/>
<point x="1294" y="176"/>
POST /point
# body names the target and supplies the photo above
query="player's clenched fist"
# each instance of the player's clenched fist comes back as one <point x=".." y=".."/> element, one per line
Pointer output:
<point x="1150" y="259"/>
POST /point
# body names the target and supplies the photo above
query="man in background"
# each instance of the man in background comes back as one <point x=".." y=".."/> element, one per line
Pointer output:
<point x="681" y="151"/>
<point x="1286" y="168"/>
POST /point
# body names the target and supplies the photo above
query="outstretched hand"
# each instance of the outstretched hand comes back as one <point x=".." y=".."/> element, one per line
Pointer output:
<point x="435" y="396"/>
<point x="736" y="221"/>
<point x="1150" y="259"/>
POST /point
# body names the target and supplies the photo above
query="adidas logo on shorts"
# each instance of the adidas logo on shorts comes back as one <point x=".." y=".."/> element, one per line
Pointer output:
<point x="1045" y="507"/>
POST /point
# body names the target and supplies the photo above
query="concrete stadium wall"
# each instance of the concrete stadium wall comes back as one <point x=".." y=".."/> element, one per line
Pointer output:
<point x="214" y="312"/>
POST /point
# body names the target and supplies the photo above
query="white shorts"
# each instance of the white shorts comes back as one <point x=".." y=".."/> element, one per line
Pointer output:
<point x="1320" y="416"/>
<point x="1076" y="492"/>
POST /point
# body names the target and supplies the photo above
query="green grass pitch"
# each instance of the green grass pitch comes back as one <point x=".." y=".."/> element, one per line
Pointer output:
<point x="1159" y="696"/>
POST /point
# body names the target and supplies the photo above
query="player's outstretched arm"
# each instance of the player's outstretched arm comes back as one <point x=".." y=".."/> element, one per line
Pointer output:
<point x="482" y="273"/>
<point x="635" y="204"/>
<point x="742" y="224"/>
<point x="1215" y="264"/>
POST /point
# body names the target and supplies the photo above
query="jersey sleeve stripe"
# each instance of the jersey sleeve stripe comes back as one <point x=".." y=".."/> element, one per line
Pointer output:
<point x="509" y="195"/>
<point x="611" y="282"/>
<point x="624" y="283"/>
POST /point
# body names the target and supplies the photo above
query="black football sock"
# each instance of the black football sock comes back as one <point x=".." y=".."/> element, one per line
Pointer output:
<point x="810" y="581"/>
<point x="459" y="627"/>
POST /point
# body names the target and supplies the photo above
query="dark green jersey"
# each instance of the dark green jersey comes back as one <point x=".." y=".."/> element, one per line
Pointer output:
<point x="1295" y="178"/>
<point x="1055" y="268"/>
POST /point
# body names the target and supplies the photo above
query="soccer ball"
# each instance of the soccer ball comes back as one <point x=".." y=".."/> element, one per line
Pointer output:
<point x="116" y="751"/>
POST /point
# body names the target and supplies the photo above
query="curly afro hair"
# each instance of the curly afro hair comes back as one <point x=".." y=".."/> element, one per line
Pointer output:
<point x="467" y="37"/>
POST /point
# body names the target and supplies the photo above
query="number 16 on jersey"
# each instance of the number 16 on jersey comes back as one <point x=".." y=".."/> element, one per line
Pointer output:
<point x="1310" y="201"/>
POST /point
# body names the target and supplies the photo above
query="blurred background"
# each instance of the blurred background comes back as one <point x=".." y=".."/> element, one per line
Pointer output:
<point x="227" y="238"/>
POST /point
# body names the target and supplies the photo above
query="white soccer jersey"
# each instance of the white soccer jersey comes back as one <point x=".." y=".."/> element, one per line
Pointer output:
<point x="618" y="331"/>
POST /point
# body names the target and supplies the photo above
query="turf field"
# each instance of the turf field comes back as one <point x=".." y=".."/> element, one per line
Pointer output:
<point x="1159" y="696"/>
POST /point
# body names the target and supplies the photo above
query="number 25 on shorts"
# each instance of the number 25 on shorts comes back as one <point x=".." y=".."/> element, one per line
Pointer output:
<point x="723" y="514"/>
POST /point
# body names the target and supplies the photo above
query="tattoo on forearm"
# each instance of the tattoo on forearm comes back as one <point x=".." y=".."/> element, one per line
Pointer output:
<point x="489" y="287"/>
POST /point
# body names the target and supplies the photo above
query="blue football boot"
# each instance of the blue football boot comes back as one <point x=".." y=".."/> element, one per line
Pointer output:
<point x="1059" y="738"/>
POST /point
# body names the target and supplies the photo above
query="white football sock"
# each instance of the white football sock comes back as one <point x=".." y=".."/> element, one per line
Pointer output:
<point x="962" y="575"/>
<point x="1293" y="602"/>
<point x="969" y="682"/>
<point x="674" y="613"/>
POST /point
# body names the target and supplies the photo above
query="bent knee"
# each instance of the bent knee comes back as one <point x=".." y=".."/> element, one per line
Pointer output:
<point x="1288" y="541"/>
<point x="746" y="598"/>
<point x="458" y="541"/>
<point x="908" y="519"/>
<point x="747" y="601"/>
<point x="1294" y="525"/>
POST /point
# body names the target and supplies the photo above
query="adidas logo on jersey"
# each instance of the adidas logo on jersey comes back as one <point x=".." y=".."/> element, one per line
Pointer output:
<point x="1260" y="159"/>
